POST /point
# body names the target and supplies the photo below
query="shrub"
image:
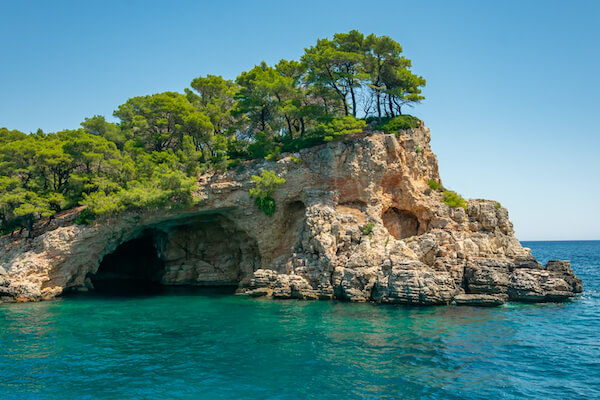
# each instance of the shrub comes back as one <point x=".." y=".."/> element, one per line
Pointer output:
<point x="266" y="184"/>
<point x="340" y="127"/>
<point x="325" y="132"/>
<point x="309" y="140"/>
<point x="296" y="160"/>
<point x="417" y="149"/>
<point x="399" y="123"/>
<point x="85" y="217"/>
<point x="368" y="228"/>
<point x="497" y="206"/>
<point x="231" y="164"/>
<point x="274" y="154"/>
<point x="266" y="204"/>
<point x="264" y="146"/>
<point x="433" y="184"/>
<point x="454" y="199"/>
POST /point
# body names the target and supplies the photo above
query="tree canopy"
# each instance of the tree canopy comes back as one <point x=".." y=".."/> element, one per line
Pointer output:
<point x="151" y="155"/>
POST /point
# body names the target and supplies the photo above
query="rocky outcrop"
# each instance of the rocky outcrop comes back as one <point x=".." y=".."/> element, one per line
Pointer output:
<point x="355" y="220"/>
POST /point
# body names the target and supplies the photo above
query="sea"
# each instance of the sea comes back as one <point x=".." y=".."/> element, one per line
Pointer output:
<point x="215" y="345"/>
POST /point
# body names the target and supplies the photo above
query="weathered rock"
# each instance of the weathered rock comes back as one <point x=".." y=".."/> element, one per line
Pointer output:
<point x="414" y="283"/>
<point x="563" y="269"/>
<point x="487" y="276"/>
<point x="485" y="300"/>
<point x="355" y="220"/>
<point x="555" y="283"/>
<point x="264" y="278"/>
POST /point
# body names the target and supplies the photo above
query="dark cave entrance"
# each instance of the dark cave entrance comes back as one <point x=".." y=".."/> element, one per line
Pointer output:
<point x="133" y="268"/>
<point x="195" y="254"/>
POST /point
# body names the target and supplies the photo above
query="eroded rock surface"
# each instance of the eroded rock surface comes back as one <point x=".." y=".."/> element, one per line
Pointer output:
<point x="355" y="220"/>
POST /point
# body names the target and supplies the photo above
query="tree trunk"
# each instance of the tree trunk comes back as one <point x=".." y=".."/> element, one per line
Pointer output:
<point x="346" y="113"/>
<point x="353" y="101"/>
<point x="290" y="133"/>
<point x="378" y="94"/>
<point x="378" y="91"/>
<point x="398" y="107"/>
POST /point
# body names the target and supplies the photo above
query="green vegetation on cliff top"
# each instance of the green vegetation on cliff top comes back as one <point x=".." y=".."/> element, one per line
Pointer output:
<point x="161" y="142"/>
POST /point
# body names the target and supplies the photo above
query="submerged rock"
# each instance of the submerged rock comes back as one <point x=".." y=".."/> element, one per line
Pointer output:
<point x="355" y="220"/>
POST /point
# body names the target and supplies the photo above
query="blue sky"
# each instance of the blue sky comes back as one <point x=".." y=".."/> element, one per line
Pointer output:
<point x="511" y="90"/>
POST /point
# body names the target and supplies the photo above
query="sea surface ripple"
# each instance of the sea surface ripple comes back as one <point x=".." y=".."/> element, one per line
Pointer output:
<point x="218" y="346"/>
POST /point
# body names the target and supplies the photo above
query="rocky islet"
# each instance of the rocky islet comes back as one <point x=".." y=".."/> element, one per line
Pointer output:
<point x="355" y="220"/>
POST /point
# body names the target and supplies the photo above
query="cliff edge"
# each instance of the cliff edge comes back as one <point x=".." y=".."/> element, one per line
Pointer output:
<point x="355" y="220"/>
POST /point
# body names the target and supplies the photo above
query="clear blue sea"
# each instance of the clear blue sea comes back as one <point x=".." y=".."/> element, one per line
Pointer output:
<point x="220" y="346"/>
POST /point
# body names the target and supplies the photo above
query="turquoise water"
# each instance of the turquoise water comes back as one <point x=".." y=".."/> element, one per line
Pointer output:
<point x="216" y="346"/>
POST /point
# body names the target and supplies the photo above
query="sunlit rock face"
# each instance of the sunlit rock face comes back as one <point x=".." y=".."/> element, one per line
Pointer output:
<point x="355" y="220"/>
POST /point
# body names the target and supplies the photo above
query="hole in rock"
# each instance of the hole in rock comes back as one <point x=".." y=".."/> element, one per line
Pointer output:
<point x="133" y="268"/>
<point x="206" y="252"/>
<point x="400" y="223"/>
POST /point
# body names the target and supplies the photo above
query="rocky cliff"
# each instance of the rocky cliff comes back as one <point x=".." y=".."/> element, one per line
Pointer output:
<point x="355" y="220"/>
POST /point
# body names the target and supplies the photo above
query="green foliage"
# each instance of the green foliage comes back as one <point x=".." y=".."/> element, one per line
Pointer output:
<point x="497" y="206"/>
<point x="433" y="184"/>
<point x="368" y="228"/>
<point x="152" y="154"/>
<point x="160" y="122"/>
<point x="325" y="132"/>
<point x="417" y="149"/>
<point x="338" y="127"/>
<point x="263" y="146"/>
<point x="399" y="123"/>
<point x="302" y="143"/>
<point x="44" y="173"/>
<point x="454" y="200"/>
<point x="296" y="160"/>
<point x="336" y="67"/>
<point x="265" y="185"/>
<point x="266" y="204"/>
<point x="85" y="217"/>
<point x="97" y="125"/>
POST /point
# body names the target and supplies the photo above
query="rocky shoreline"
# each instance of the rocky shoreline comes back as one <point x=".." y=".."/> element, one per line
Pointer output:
<point x="355" y="220"/>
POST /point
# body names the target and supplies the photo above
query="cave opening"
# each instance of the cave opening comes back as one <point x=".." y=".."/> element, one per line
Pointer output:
<point x="133" y="268"/>
<point x="400" y="224"/>
<point x="207" y="254"/>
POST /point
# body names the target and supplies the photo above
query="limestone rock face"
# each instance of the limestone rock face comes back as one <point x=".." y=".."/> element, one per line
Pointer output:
<point x="355" y="220"/>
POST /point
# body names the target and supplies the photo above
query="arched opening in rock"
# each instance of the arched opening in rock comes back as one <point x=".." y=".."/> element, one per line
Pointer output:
<point x="204" y="251"/>
<point x="133" y="268"/>
<point x="400" y="223"/>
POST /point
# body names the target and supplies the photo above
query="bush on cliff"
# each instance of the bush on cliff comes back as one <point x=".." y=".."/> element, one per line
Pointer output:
<point x="265" y="185"/>
<point x="368" y="228"/>
<point x="399" y="123"/>
<point x="434" y="185"/>
<point x="454" y="199"/>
